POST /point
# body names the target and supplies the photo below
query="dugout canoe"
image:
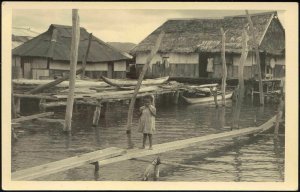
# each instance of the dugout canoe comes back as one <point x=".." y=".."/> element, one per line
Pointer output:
<point x="133" y="82"/>
<point x="205" y="100"/>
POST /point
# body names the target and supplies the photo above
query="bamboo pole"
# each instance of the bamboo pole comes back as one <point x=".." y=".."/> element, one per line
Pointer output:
<point x="142" y="74"/>
<point x="224" y="68"/>
<point x="86" y="56"/>
<point x="261" y="92"/>
<point x="73" y="63"/>
<point x="241" y="89"/>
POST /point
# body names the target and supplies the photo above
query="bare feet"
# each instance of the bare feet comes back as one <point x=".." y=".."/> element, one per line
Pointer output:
<point x="143" y="147"/>
<point x="150" y="148"/>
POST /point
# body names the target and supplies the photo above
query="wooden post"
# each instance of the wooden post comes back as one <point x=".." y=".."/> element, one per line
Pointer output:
<point x="261" y="92"/>
<point x="176" y="97"/>
<point x="86" y="56"/>
<point x="215" y="95"/>
<point x="41" y="106"/>
<point x="96" y="116"/>
<point x="142" y="74"/>
<point x="73" y="63"/>
<point x="279" y="114"/>
<point x="17" y="105"/>
<point x="224" y="68"/>
<point x="241" y="90"/>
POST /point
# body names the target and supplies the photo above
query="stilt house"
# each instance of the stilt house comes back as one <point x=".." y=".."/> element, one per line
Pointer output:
<point x="21" y="34"/>
<point x="192" y="47"/>
<point x="48" y="56"/>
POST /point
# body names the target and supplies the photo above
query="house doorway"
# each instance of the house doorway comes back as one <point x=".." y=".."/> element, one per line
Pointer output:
<point x="262" y="58"/>
<point x="110" y="70"/>
<point x="203" y="56"/>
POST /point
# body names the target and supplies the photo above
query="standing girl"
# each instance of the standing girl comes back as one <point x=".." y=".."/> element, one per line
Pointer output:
<point x="147" y="120"/>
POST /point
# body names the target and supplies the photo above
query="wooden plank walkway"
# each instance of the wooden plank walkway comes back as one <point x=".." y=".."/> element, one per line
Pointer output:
<point x="114" y="155"/>
<point x="165" y="147"/>
<point x="65" y="164"/>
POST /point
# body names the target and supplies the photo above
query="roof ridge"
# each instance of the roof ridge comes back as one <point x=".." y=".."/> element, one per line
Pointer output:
<point x="190" y="19"/>
<point x="252" y="14"/>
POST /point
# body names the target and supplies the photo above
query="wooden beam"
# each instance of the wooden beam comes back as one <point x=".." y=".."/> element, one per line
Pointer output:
<point x="65" y="164"/>
<point x="86" y="56"/>
<point x="256" y="45"/>
<point x="73" y="63"/>
<point x="224" y="68"/>
<point x="35" y="96"/>
<point x="53" y="104"/>
<point x="30" y="117"/>
<point x="179" y="144"/>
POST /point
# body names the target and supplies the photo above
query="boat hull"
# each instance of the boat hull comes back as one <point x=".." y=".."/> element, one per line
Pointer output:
<point x="205" y="100"/>
<point x="127" y="82"/>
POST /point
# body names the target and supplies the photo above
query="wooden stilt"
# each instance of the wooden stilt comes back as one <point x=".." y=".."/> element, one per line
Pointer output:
<point x="97" y="167"/>
<point x="224" y="68"/>
<point x="176" y="97"/>
<point x="41" y="105"/>
<point x="73" y="63"/>
<point x="215" y="94"/>
<point x="13" y="107"/>
<point x="18" y="105"/>
<point x="96" y="116"/>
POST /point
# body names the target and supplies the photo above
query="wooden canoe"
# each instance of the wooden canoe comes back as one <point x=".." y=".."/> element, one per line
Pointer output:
<point x="133" y="82"/>
<point x="205" y="100"/>
<point x="78" y="83"/>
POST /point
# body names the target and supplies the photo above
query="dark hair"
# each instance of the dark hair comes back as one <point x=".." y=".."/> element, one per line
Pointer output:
<point x="148" y="97"/>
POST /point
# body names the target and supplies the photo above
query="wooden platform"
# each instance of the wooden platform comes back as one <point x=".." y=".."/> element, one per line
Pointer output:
<point x="65" y="164"/>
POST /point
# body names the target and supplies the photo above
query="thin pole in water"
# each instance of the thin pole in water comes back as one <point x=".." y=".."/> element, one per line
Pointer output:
<point x="73" y="63"/>
<point x="261" y="92"/>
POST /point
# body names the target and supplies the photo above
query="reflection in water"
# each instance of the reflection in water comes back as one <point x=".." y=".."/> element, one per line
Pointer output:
<point x="240" y="161"/>
<point x="97" y="134"/>
<point x="68" y="140"/>
<point x="237" y="161"/>
<point x="278" y="157"/>
<point x="130" y="144"/>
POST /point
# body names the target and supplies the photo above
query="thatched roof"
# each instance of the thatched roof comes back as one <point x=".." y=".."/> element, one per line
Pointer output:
<point x="203" y="35"/>
<point x="55" y="43"/>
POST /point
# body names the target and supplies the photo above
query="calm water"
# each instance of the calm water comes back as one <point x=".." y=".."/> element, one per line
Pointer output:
<point x="258" y="158"/>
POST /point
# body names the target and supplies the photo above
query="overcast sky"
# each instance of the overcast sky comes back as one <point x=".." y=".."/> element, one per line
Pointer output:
<point x="114" y="25"/>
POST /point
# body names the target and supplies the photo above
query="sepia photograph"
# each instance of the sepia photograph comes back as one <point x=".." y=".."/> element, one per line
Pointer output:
<point x="147" y="95"/>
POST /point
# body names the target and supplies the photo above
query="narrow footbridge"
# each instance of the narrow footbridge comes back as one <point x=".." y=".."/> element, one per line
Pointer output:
<point x="114" y="155"/>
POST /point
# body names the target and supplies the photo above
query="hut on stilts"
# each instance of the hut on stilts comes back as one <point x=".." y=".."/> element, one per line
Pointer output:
<point x="191" y="47"/>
